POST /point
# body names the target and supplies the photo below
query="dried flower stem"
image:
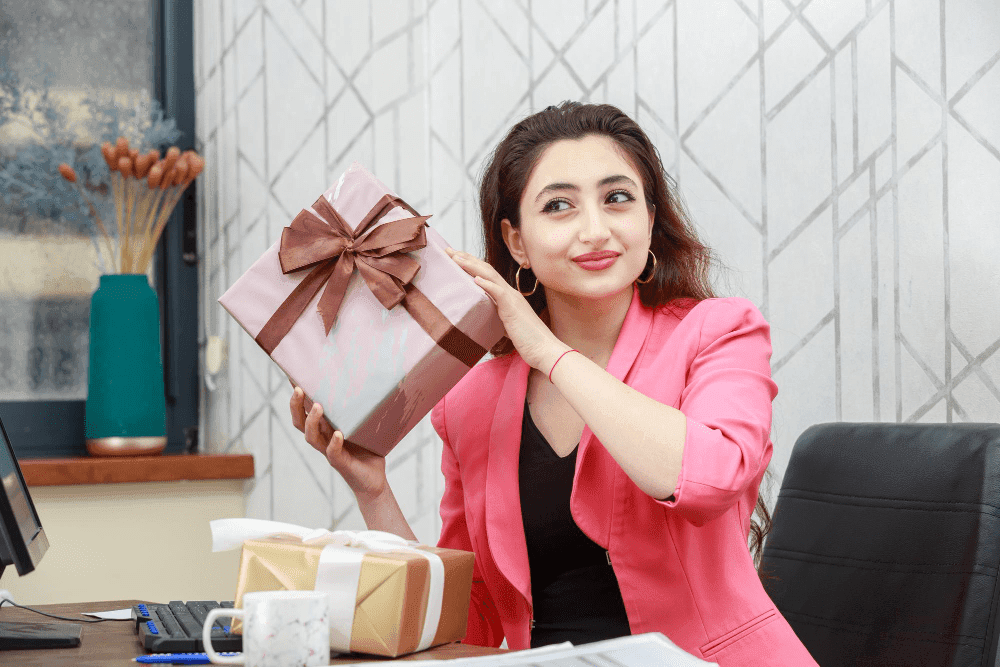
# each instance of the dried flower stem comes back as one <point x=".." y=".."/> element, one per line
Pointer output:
<point x="169" y="201"/>
<point x="143" y="215"/>
<point x="149" y="220"/>
<point x="127" y="259"/>
<point x="100" y="224"/>
<point x="117" y="187"/>
<point x="135" y="240"/>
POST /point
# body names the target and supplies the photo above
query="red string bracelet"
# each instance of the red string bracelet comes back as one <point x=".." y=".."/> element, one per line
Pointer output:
<point x="557" y="361"/>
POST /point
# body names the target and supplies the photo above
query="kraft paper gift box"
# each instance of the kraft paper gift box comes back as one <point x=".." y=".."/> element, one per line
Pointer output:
<point x="388" y="596"/>
<point x="361" y="307"/>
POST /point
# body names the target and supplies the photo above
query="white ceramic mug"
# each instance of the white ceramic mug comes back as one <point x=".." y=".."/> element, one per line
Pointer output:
<point x="280" y="629"/>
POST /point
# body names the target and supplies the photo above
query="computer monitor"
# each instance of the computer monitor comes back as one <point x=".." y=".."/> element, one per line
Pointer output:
<point x="22" y="544"/>
<point x="22" y="539"/>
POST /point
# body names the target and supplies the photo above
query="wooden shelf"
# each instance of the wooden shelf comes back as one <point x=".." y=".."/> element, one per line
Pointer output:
<point x="118" y="469"/>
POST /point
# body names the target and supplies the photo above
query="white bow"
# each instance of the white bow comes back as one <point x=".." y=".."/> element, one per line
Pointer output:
<point x="340" y="567"/>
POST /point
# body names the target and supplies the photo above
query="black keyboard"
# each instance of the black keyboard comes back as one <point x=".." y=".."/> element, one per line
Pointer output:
<point x="176" y="627"/>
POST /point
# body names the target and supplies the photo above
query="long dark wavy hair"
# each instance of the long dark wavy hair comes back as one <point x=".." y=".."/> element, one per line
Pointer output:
<point x="683" y="262"/>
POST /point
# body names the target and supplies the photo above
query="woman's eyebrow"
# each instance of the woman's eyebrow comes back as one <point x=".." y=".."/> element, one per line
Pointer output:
<point x="607" y="180"/>
<point x="556" y="187"/>
<point x="616" y="179"/>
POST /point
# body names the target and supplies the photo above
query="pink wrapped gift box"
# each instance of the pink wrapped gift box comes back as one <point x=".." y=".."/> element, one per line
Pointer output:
<point x="343" y="304"/>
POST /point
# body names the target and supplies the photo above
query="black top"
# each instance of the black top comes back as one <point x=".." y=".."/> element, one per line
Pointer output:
<point x="574" y="590"/>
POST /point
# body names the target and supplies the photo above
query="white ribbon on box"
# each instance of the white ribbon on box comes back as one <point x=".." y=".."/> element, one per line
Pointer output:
<point x="339" y="567"/>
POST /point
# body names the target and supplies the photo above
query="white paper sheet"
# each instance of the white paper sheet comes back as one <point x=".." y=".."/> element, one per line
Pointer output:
<point x="113" y="615"/>
<point x="647" y="650"/>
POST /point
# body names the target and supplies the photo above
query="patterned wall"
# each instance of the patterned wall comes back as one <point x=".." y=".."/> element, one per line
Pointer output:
<point x="841" y="156"/>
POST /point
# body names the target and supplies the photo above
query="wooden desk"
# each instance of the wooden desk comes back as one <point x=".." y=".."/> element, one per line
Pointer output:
<point x="116" y="642"/>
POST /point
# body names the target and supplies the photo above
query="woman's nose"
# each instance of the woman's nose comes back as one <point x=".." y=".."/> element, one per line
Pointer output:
<point x="594" y="225"/>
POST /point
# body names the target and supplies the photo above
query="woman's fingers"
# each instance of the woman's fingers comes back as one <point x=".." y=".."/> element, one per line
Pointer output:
<point x="492" y="289"/>
<point x="335" y="448"/>
<point x="473" y="265"/>
<point x="298" y="412"/>
<point x="483" y="273"/>
<point x="300" y="406"/>
<point x="314" y="429"/>
<point x="308" y="418"/>
<point x="322" y="438"/>
<point x="318" y="430"/>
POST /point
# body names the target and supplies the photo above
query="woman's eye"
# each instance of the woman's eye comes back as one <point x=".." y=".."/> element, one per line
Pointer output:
<point x="556" y="206"/>
<point x="620" y="197"/>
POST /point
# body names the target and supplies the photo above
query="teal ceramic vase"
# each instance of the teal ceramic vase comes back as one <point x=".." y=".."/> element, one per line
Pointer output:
<point x="126" y="405"/>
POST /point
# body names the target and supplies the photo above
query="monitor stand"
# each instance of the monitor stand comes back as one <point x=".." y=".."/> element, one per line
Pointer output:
<point x="29" y="635"/>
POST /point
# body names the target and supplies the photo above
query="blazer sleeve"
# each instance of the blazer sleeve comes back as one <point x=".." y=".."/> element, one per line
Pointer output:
<point x="727" y="402"/>
<point x="484" y="627"/>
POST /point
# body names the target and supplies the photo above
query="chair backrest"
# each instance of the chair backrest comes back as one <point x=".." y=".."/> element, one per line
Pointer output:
<point x="885" y="546"/>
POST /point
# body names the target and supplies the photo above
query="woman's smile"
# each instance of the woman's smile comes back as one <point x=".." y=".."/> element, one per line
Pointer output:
<point x="596" y="261"/>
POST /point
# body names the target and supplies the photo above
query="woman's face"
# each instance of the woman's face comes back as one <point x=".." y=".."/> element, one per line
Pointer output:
<point x="585" y="228"/>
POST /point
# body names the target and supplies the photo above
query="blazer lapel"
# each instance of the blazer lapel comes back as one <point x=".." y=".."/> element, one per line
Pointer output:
<point x="504" y="524"/>
<point x="634" y="331"/>
<point x="594" y="478"/>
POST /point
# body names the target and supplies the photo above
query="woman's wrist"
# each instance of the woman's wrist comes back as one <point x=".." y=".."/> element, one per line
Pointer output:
<point x="373" y="496"/>
<point x="382" y="512"/>
<point x="558" y="359"/>
<point x="548" y="359"/>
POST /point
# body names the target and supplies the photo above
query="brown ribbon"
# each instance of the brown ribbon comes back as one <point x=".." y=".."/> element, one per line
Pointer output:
<point x="333" y="249"/>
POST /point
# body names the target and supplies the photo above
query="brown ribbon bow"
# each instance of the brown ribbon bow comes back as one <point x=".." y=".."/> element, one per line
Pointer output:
<point x="328" y="244"/>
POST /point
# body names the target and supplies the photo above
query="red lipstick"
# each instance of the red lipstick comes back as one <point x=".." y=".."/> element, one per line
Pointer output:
<point x="596" y="261"/>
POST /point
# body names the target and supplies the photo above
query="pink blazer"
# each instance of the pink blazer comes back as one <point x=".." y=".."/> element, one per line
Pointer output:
<point x="682" y="564"/>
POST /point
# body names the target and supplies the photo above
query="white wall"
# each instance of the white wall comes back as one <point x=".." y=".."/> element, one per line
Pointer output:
<point x="148" y="541"/>
<point x="842" y="156"/>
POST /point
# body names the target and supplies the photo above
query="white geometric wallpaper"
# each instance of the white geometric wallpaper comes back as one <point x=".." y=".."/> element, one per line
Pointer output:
<point x="841" y="156"/>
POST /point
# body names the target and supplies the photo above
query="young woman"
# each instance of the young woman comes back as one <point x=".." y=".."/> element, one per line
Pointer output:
<point x="605" y="464"/>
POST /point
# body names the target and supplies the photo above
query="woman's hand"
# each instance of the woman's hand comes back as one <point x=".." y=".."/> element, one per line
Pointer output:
<point x="363" y="471"/>
<point x="533" y="340"/>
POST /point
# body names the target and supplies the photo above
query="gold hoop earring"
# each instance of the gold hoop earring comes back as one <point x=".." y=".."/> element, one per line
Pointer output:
<point x="651" y="271"/>
<point x="517" y="281"/>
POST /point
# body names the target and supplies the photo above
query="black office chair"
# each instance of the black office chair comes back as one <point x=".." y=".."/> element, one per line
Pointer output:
<point x="885" y="546"/>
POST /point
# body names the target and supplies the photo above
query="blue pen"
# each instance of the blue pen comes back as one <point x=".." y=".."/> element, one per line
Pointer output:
<point x="177" y="658"/>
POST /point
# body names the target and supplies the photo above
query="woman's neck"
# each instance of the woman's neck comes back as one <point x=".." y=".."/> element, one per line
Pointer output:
<point x="590" y="326"/>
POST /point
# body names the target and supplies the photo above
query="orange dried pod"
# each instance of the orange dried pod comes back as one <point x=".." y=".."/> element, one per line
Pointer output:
<point x="143" y="164"/>
<point x="180" y="170"/>
<point x="121" y="148"/>
<point x="168" y="178"/>
<point x="125" y="167"/>
<point x="173" y="153"/>
<point x="108" y="151"/>
<point x="67" y="172"/>
<point x="155" y="175"/>
<point x="197" y="164"/>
